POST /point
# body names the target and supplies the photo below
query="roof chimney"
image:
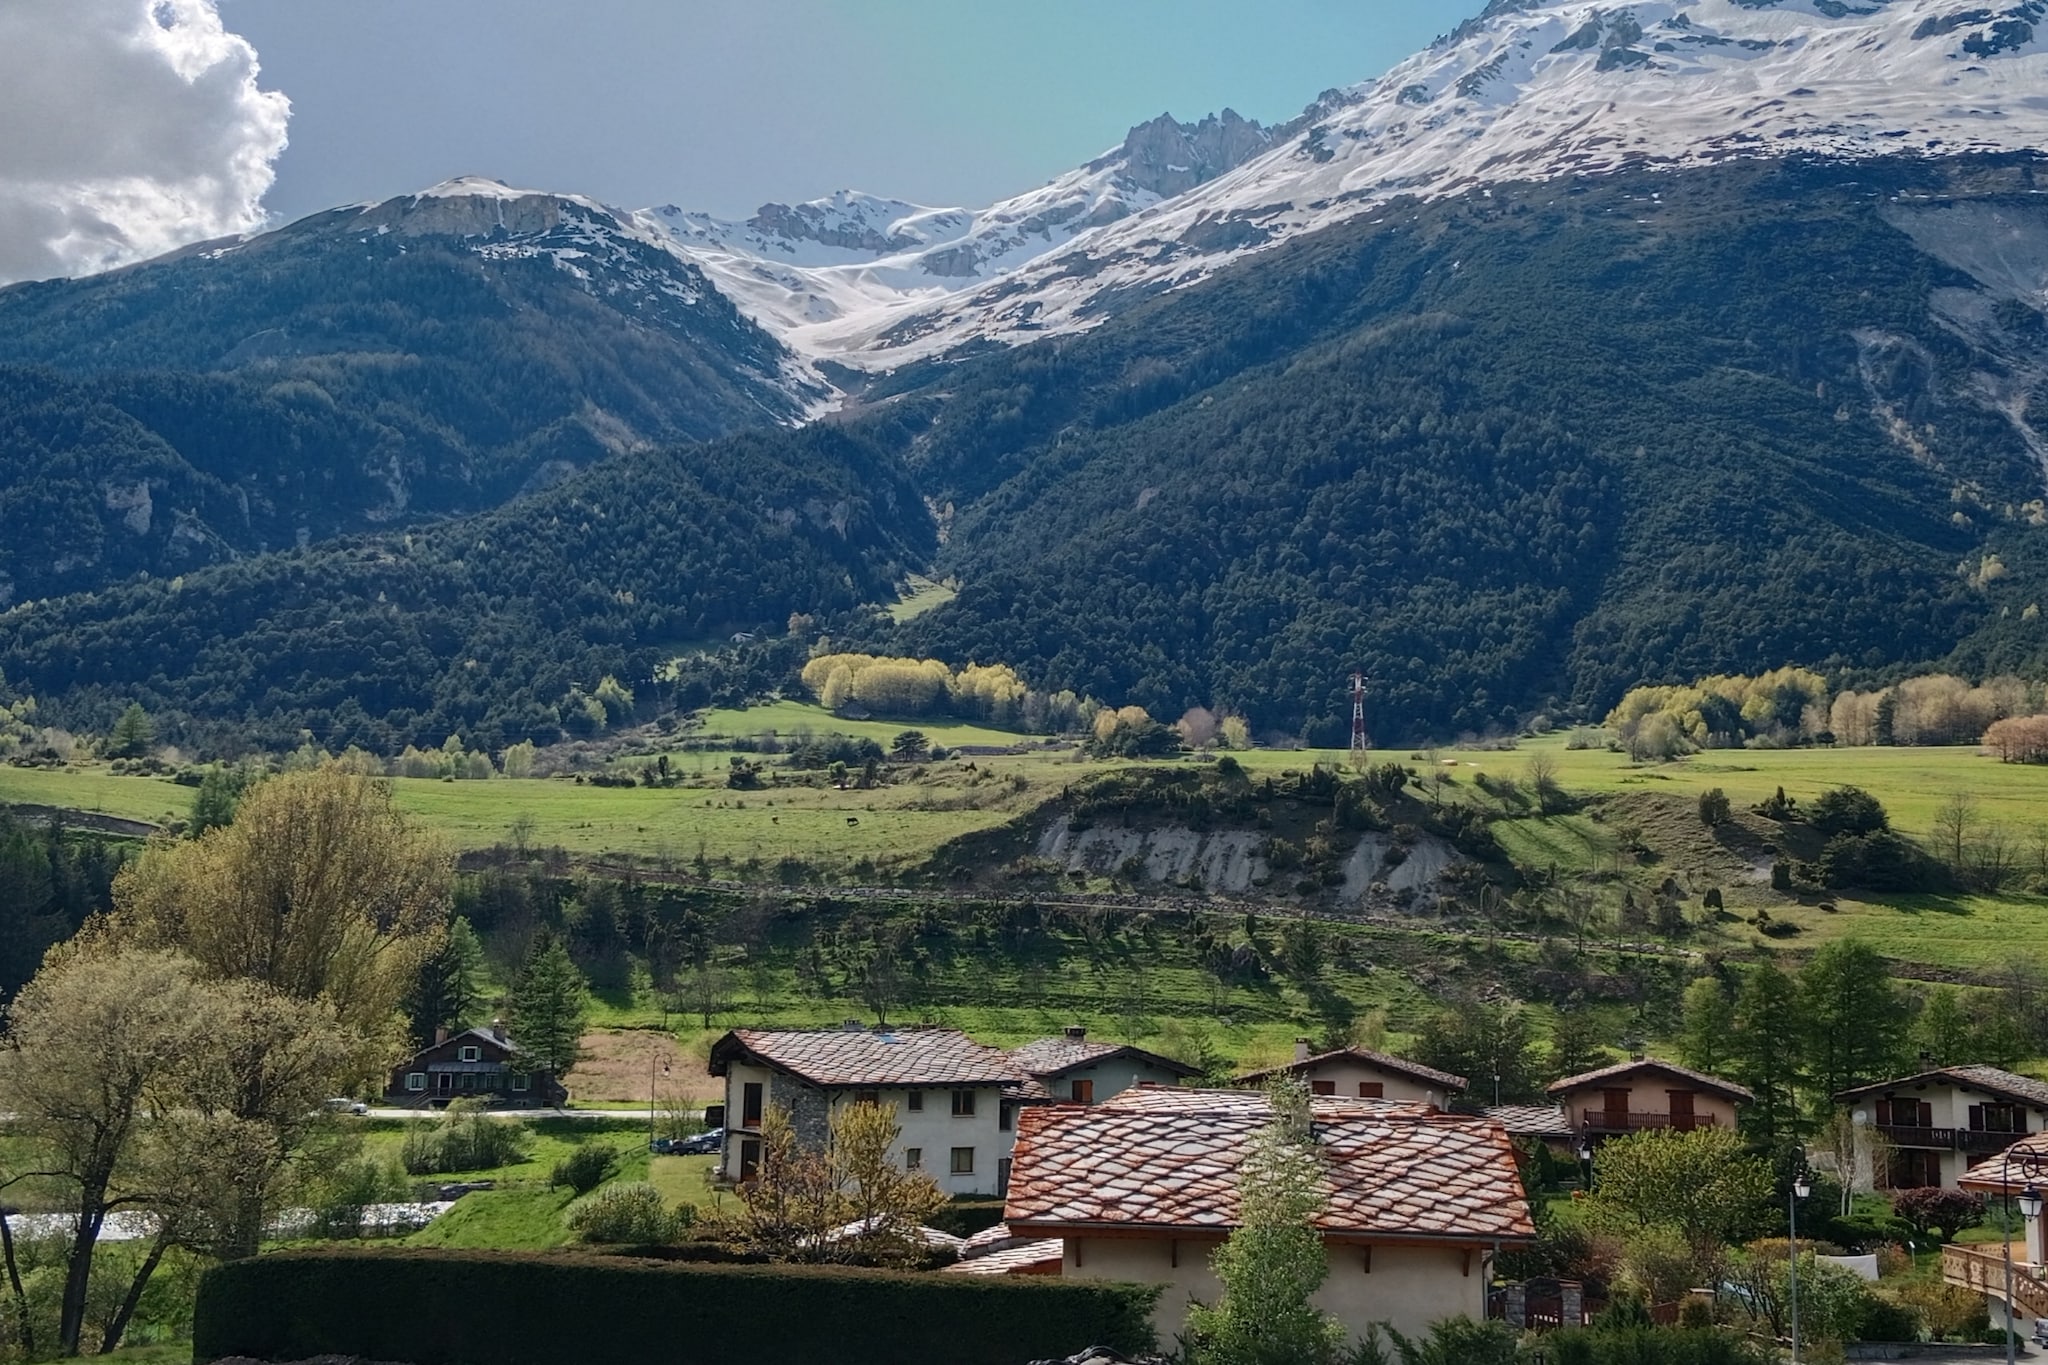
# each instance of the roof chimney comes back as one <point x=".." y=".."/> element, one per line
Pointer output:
<point x="498" y="1029"/>
<point x="1927" y="1061"/>
<point x="853" y="1026"/>
<point x="1301" y="1053"/>
<point x="1076" y="1033"/>
<point x="440" y="1034"/>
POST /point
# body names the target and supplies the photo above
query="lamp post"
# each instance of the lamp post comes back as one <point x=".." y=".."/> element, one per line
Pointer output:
<point x="1802" y="1186"/>
<point x="1586" y="1164"/>
<point x="2031" y="1165"/>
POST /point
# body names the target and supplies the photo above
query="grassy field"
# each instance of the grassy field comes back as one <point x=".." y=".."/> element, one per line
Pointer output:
<point x="97" y="791"/>
<point x="921" y="595"/>
<point x="786" y="718"/>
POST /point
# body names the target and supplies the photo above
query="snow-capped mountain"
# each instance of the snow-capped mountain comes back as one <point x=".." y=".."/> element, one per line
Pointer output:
<point x="1530" y="90"/>
<point x="826" y="275"/>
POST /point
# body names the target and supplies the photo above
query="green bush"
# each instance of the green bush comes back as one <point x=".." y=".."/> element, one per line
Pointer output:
<point x="965" y="1217"/>
<point x="466" y="1140"/>
<point x="1883" y="1319"/>
<point x="548" y="1308"/>
<point x="1652" y="1346"/>
<point x="584" y="1169"/>
<point x="631" y="1214"/>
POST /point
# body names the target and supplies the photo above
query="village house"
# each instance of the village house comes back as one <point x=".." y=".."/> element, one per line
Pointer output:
<point x="955" y="1100"/>
<point x="1143" y="1187"/>
<point x="1076" y="1071"/>
<point x="2018" y="1173"/>
<point x="1937" y="1122"/>
<point x="1358" y="1074"/>
<point x="1629" y="1097"/>
<point x="476" y="1064"/>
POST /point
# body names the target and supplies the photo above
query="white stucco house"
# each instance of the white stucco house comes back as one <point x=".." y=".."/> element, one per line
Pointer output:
<point x="1076" y="1071"/>
<point x="955" y="1100"/>
<point x="1362" y="1074"/>
<point x="1937" y="1122"/>
<point x="1143" y="1187"/>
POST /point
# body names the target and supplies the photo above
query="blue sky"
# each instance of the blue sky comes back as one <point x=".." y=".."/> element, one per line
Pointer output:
<point x="723" y="106"/>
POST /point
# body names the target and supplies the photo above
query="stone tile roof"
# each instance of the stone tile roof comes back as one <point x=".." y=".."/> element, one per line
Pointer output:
<point x="2025" y="1163"/>
<point x="1621" y="1070"/>
<point x="1531" y="1120"/>
<point x="1054" y="1056"/>
<point x="910" y="1057"/>
<point x="1993" y="1080"/>
<point x="1155" y="1158"/>
<point x="1031" y="1256"/>
<point x="1364" y="1057"/>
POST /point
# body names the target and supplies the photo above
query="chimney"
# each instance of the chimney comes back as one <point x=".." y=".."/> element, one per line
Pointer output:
<point x="440" y="1034"/>
<point x="1927" y="1061"/>
<point x="1076" y="1033"/>
<point x="853" y="1026"/>
<point x="498" y="1029"/>
<point x="1301" y="1053"/>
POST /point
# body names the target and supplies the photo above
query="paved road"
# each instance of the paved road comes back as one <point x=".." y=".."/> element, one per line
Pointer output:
<point x="640" y="1114"/>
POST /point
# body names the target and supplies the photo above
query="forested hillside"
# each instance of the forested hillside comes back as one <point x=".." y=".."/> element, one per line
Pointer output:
<point x="1519" y="450"/>
<point x="356" y="370"/>
<point x="499" y="627"/>
<point x="1513" y="452"/>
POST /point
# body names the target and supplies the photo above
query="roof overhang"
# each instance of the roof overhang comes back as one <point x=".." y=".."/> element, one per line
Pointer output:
<point x="1190" y="1232"/>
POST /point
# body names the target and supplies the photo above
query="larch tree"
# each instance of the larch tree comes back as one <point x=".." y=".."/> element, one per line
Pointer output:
<point x="1707" y="1031"/>
<point x="1765" y="1053"/>
<point x="1855" y="1020"/>
<point x="548" y="1006"/>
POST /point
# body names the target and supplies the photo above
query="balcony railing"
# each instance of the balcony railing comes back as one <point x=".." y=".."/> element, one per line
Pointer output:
<point x="1977" y="1141"/>
<point x="1614" y="1121"/>
<point x="1981" y="1270"/>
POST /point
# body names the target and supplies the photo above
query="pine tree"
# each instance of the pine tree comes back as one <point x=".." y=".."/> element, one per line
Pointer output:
<point x="1765" y="1052"/>
<point x="1574" y="1042"/>
<point x="1706" y="1039"/>
<point x="1942" y="1032"/>
<point x="133" y="733"/>
<point x="548" y="1005"/>
<point x="446" y="993"/>
<point x="1855" y="1021"/>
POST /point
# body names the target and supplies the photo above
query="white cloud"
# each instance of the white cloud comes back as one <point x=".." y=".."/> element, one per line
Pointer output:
<point x="131" y="127"/>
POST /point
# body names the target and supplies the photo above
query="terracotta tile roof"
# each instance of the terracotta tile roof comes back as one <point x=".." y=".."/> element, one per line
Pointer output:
<point x="1621" y="1069"/>
<point x="1165" y="1159"/>
<point x="1531" y="1120"/>
<point x="2025" y="1162"/>
<point x="1990" y="1079"/>
<point x="994" y="1237"/>
<point x="1035" y="1256"/>
<point x="1054" y="1056"/>
<point x="1364" y="1057"/>
<point x="881" y="1057"/>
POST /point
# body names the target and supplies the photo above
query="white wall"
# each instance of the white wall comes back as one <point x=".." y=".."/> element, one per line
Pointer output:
<point x="1410" y="1287"/>
<point x="1950" y="1108"/>
<point x="1396" y="1086"/>
<point x="936" y="1132"/>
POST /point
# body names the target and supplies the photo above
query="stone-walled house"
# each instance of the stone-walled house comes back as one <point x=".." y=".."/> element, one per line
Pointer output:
<point x="955" y="1100"/>
<point x="1143" y="1187"/>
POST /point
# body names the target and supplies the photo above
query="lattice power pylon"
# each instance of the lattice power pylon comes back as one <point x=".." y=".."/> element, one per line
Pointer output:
<point x="1358" y="744"/>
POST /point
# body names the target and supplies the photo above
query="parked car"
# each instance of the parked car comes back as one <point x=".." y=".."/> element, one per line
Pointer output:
<point x="341" y="1104"/>
<point x="701" y="1143"/>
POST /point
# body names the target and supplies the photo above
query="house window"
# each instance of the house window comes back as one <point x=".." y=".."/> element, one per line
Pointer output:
<point x="750" y="1105"/>
<point x="963" y="1161"/>
<point x="867" y="1097"/>
<point x="469" y="1080"/>
<point x="914" y="1101"/>
<point x="750" y="1157"/>
<point x="415" y="1080"/>
<point x="1084" y="1092"/>
<point x="1006" y="1118"/>
<point x="913" y="1158"/>
<point x="1372" y="1090"/>
<point x="1002" y="1175"/>
<point x="963" y="1104"/>
<point x="470" y="1054"/>
<point x="1322" y="1087"/>
<point x="519" y="1082"/>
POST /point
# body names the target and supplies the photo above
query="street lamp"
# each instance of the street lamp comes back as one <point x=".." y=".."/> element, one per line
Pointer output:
<point x="1586" y="1164"/>
<point x="1802" y="1186"/>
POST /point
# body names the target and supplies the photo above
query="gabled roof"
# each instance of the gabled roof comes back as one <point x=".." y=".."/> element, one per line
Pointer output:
<point x="910" y="1057"/>
<point x="1036" y="1256"/>
<point x="1991" y="1080"/>
<point x="1531" y="1120"/>
<point x="468" y="1037"/>
<point x="1650" y="1064"/>
<point x="1364" y="1057"/>
<point x="1051" y="1057"/>
<point x="1164" y="1160"/>
<point x="2024" y="1163"/>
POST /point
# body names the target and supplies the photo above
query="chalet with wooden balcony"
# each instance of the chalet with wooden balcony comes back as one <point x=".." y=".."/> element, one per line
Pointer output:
<point x="1630" y="1097"/>
<point x="1359" y="1073"/>
<point x="1938" y="1123"/>
<point x="2013" y="1278"/>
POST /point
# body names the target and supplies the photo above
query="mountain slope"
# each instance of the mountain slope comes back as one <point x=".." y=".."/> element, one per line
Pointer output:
<point x="1523" y="450"/>
<point x="433" y="355"/>
<point x="1537" y="90"/>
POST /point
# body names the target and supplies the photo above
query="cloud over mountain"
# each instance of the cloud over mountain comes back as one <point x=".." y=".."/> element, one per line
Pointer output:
<point x="135" y="126"/>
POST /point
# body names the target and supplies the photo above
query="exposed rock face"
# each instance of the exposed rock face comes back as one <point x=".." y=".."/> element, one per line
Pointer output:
<point x="1167" y="158"/>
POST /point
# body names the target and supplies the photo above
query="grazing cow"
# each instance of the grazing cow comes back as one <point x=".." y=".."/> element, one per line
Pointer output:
<point x="853" y="819"/>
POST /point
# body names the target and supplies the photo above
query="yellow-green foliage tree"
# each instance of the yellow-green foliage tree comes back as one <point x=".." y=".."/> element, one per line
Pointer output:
<point x="1784" y="706"/>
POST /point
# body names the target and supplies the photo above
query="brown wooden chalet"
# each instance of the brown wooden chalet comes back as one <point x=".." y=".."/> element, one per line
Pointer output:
<point x="476" y="1064"/>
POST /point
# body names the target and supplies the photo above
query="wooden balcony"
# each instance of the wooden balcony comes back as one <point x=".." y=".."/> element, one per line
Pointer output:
<point x="1981" y="1269"/>
<point x="1982" y="1142"/>
<point x="1976" y="1141"/>
<point x="1614" y="1121"/>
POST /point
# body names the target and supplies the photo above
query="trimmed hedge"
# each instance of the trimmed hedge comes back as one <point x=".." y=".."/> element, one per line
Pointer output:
<point x="513" y="1308"/>
<point x="1651" y="1346"/>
